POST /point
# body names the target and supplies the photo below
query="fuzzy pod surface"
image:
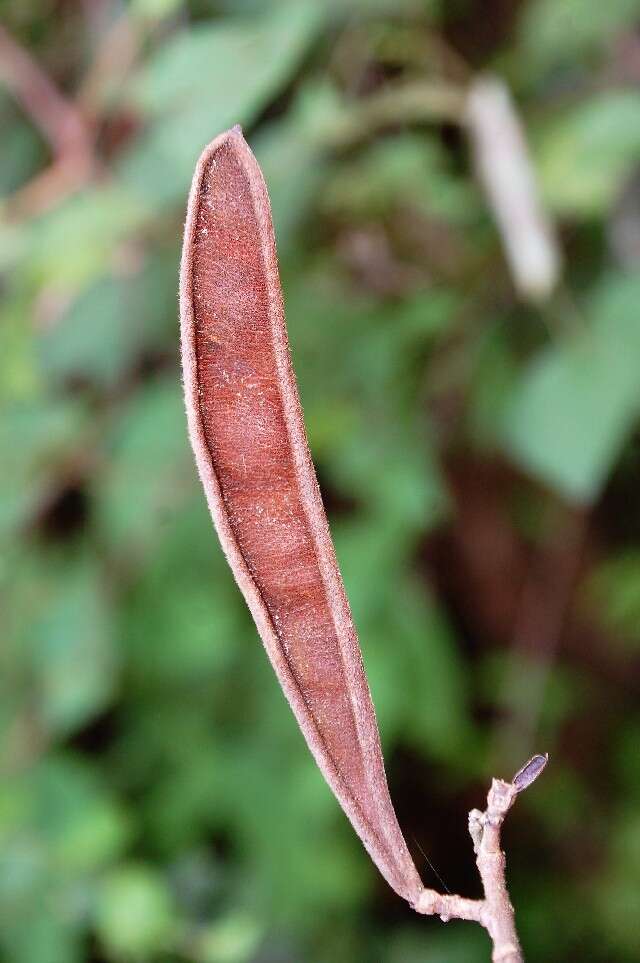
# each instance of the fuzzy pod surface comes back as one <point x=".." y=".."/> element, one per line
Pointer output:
<point x="247" y="432"/>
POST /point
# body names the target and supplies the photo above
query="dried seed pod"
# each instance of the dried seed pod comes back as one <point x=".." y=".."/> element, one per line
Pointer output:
<point x="248" y="436"/>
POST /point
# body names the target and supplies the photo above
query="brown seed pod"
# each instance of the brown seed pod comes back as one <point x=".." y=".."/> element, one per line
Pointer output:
<point x="248" y="436"/>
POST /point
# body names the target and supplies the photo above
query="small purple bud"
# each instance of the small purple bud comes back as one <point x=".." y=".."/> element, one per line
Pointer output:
<point x="529" y="772"/>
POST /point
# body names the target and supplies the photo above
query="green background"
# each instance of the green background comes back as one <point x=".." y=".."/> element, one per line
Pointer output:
<point x="479" y="458"/>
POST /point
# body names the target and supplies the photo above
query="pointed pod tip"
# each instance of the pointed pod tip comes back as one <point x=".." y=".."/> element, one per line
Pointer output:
<point x="233" y="136"/>
<point x="232" y="140"/>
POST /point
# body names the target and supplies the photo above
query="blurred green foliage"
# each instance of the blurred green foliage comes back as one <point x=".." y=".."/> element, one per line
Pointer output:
<point x="479" y="458"/>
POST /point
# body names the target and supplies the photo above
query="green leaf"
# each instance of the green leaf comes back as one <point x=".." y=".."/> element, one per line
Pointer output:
<point x="576" y="403"/>
<point x="205" y="79"/>
<point x="111" y="324"/>
<point x="62" y="642"/>
<point x="202" y="609"/>
<point x="621" y="904"/>
<point x="290" y="153"/>
<point x="57" y="824"/>
<point x="612" y="592"/>
<point x="559" y="32"/>
<point x="22" y="151"/>
<point x="232" y="939"/>
<point x="435" y="685"/>
<point x="208" y="60"/>
<point x="150" y="471"/>
<point x="36" y="439"/>
<point x="409" y="170"/>
<point x="135" y="915"/>
<point x="13" y="244"/>
<point x="585" y="153"/>
<point x="73" y="245"/>
<point x="154" y="10"/>
<point x="72" y="651"/>
<point x="385" y="7"/>
<point x="41" y="937"/>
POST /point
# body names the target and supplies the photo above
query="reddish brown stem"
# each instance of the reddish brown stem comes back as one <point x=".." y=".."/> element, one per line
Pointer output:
<point x="56" y="118"/>
<point x="60" y="123"/>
